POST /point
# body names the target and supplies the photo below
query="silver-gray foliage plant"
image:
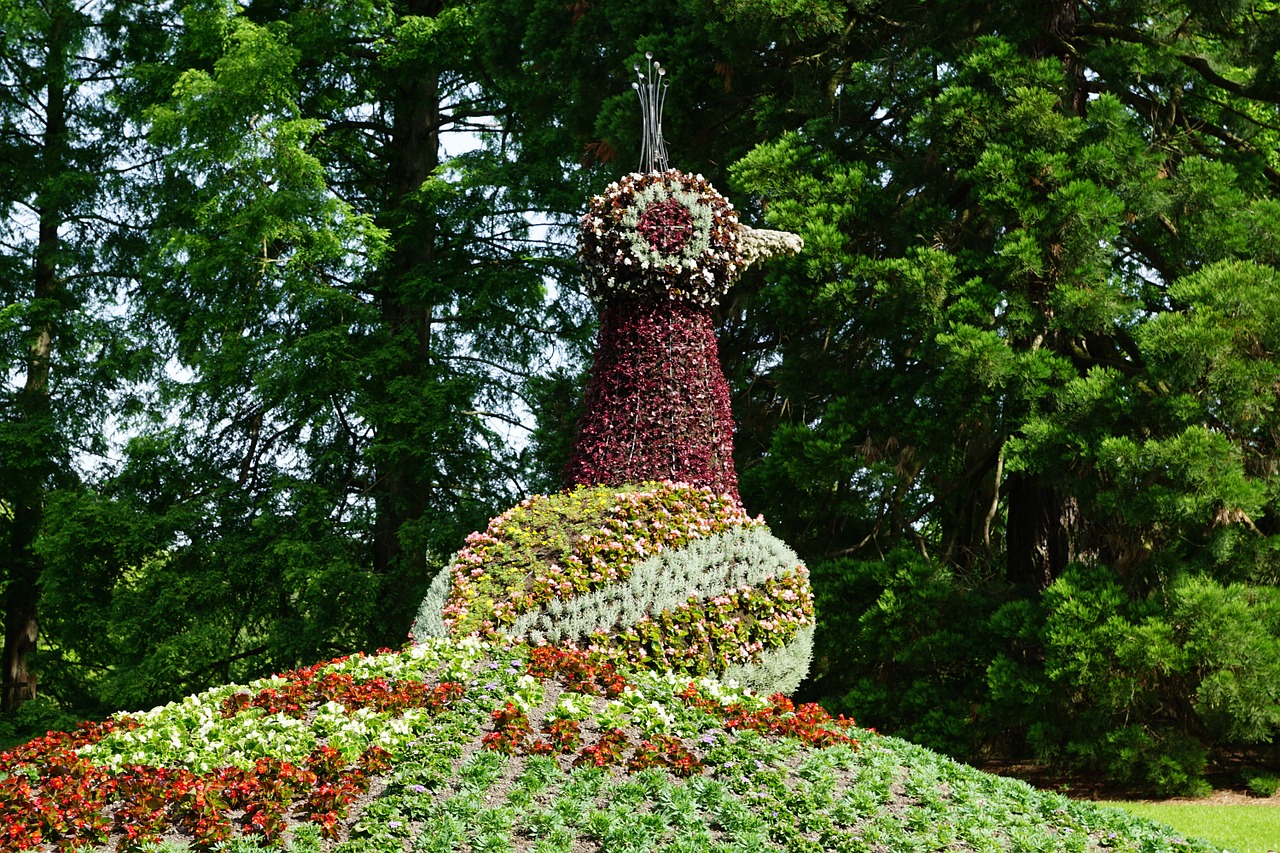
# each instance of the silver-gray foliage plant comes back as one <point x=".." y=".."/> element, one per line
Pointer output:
<point x="742" y="557"/>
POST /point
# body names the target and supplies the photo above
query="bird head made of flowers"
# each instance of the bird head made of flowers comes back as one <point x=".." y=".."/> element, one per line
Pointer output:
<point x="660" y="232"/>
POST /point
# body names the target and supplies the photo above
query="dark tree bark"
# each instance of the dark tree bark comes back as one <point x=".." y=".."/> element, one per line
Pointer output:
<point x="1061" y="18"/>
<point x="401" y="494"/>
<point x="34" y="403"/>
<point x="21" y="626"/>
<point x="1038" y="534"/>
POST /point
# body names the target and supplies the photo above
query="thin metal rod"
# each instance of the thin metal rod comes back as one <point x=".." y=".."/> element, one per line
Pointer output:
<point x="652" y="91"/>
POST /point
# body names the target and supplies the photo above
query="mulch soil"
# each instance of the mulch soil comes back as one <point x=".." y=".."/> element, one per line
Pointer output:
<point x="1228" y="789"/>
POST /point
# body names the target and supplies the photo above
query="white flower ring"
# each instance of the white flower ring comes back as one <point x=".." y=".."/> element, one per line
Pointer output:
<point x="661" y="234"/>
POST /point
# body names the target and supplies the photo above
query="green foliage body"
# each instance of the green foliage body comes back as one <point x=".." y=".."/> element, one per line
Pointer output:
<point x="665" y="576"/>
<point x="1142" y="689"/>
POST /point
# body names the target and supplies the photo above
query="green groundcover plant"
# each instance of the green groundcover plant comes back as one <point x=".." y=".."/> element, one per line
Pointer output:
<point x="466" y="745"/>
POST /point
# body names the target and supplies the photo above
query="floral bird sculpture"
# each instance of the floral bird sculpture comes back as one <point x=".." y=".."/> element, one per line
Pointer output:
<point x="649" y="559"/>
<point x="659" y="249"/>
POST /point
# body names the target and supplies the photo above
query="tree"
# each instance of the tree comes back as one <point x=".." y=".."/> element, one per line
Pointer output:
<point x="1002" y="260"/>
<point x="347" y="311"/>
<point x="968" y="368"/>
<point x="66" y="358"/>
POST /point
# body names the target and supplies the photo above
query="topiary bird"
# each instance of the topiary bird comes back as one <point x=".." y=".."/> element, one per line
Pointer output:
<point x="648" y="558"/>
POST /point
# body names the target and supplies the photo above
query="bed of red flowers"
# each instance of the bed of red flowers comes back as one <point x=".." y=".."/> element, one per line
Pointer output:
<point x="53" y="795"/>
<point x="582" y="672"/>
<point x="50" y="795"/>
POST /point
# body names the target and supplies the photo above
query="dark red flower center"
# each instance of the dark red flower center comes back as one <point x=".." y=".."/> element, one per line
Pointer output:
<point x="666" y="226"/>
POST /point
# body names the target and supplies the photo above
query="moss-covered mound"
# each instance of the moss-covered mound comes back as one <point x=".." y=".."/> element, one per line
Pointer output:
<point x="660" y="575"/>
<point x="462" y="746"/>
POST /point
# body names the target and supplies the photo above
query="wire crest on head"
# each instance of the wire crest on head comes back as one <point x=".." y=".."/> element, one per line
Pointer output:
<point x="652" y="89"/>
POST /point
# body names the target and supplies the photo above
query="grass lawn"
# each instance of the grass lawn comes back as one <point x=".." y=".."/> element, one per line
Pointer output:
<point x="1243" y="828"/>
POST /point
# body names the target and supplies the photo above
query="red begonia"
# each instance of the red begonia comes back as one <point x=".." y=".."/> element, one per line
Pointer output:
<point x="657" y="403"/>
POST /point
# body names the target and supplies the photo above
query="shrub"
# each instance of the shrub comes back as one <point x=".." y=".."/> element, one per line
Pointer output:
<point x="1262" y="784"/>
<point x="1142" y="687"/>
<point x="1139" y="686"/>
<point x="906" y="648"/>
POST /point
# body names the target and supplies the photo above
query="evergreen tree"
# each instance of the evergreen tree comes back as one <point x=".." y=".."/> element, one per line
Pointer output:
<point x="347" y="311"/>
<point x="68" y="243"/>
<point x="998" y="357"/>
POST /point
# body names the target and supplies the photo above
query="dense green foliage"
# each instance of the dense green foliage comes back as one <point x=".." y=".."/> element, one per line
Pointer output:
<point x="1015" y="403"/>
<point x="1139" y="688"/>
<point x="260" y="328"/>
<point x="273" y="310"/>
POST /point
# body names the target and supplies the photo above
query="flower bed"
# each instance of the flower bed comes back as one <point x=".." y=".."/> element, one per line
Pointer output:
<point x="196" y="768"/>
<point x="660" y="575"/>
<point x="547" y="749"/>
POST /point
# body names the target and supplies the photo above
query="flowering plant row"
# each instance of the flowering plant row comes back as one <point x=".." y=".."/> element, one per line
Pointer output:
<point x="581" y="672"/>
<point x="593" y="673"/>
<point x="301" y="695"/>
<point x="810" y="723"/>
<point x="665" y="234"/>
<point x="708" y="635"/>
<point x="197" y="732"/>
<point x="776" y="715"/>
<point x="563" y="545"/>
<point x="73" y="791"/>
<point x="63" y="799"/>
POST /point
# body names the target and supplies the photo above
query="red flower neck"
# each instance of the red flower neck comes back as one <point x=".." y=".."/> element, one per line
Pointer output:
<point x="657" y="403"/>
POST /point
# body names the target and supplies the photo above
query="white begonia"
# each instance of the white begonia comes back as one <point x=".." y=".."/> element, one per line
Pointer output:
<point x="528" y="693"/>
<point x="571" y="706"/>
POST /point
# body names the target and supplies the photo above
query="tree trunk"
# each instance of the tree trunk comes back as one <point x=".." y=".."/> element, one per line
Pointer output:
<point x="402" y="496"/>
<point x="21" y="626"/>
<point x="20" y="600"/>
<point x="1038" y="533"/>
<point x="22" y="591"/>
<point x="1061" y="17"/>
<point x="1042" y="523"/>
